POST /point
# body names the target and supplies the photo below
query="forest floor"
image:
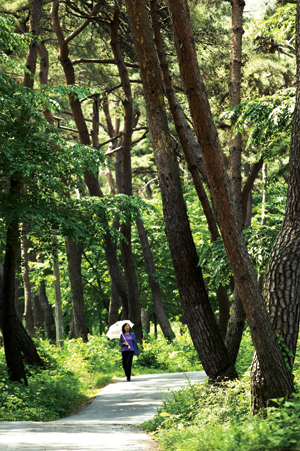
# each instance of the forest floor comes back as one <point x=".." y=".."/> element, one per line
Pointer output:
<point x="109" y="423"/>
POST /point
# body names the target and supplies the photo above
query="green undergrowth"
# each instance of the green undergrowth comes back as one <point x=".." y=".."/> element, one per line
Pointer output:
<point x="73" y="374"/>
<point x="204" y="417"/>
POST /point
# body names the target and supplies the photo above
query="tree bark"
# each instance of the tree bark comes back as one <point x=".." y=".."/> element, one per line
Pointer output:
<point x="38" y="317"/>
<point x="113" y="313"/>
<point x="234" y="99"/>
<point x="90" y="179"/>
<point x="18" y="294"/>
<point x="278" y="378"/>
<point x="113" y="145"/>
<point x="73" y="250"/>
<point x="235" y="326"/>
<point x="126" y="246"/>
<point x="264" y="200"/>
<point x="282" y="283"/>
<point x="248" y="216"/>
<point x="197" y="310"/>
<point x="155" y="289"/>
<point x="58" y="304"/>
<point x="48" y="313"/>
<point x="249" y="185"/>
<point x="16" y="339"/>
<point x="34" y="29"/>
<point x="74" y="253"/>
<point x="13" y="355"/>
<point x="28" y="310"/>
<point x="192" y="153"/>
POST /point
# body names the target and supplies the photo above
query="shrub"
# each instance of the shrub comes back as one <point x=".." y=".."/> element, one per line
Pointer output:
<point x="74" y="372"/>
<point x="217" y="417"/>
<point x="177" y="356"/>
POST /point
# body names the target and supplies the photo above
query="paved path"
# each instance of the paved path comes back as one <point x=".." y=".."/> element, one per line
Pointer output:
<point x="109" y="423"/>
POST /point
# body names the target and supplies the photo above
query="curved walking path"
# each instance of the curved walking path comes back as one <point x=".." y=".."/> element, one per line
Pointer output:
<point x="109" y="423"/>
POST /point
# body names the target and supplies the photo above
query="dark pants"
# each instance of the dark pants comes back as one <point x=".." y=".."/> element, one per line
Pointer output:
<point x="127" y="357"/>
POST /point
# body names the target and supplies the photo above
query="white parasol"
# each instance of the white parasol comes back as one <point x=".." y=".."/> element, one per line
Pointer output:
<point x="115" y="329"/>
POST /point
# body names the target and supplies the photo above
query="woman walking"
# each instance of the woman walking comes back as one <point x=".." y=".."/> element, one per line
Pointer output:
<point x="129" y="348"/>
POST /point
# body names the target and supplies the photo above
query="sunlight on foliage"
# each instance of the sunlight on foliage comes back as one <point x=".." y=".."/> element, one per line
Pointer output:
<point x="217" y="417"/>
<point x="281" y="24"/>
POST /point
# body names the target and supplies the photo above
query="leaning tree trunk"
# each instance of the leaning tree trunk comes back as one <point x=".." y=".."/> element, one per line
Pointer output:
<point x="192" y="153"/>
<point x="74" y="250"/>
<point x="90" y="179"/>
<point x="282" y="278"/>
<point x="197" y="310"/>
<point x="278" y="378"/>
<point x="155" y="289"/>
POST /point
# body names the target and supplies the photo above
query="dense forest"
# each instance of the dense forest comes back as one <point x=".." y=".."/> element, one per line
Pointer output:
<point x="149" y="171"/>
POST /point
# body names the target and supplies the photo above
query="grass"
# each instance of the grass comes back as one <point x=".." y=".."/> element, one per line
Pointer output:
<point x="204" y="417"/>
<point x="75" y="373"/>
<point x="198" y="417"/>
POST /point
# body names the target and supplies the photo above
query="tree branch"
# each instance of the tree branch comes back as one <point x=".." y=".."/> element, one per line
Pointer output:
<point x="102" y="61"/>
<point x="140" y="138"/>
<point x="78" y="30"/>
<point x="249" y="184"/>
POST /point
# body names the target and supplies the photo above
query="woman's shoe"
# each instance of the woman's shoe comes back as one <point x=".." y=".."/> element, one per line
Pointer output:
<point x="128" y="379"/>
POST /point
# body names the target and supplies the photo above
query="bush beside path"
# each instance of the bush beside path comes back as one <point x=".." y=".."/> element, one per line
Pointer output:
<point x="109" y="423"/>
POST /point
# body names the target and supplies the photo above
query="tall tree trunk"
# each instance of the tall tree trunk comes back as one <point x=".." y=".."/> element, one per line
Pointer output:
<point x="278" y="378"/>
<point x="8" y="314"/>
<point x="197" y="310"/>
<point x="125" y="245"/>
<point x="113" y="313"/>
<point x="34" y="29"/>
<point x="90" y="179"/>
<point x="28" y="310"/>
<point x="73" y="250"/>
<point x="237" y="319"/>
<point x="113" y="144"/>
<point x="58" y="304"/>
<point x="18" y="294"/>
<point x="281" y="283"/>
<point x="38" y="317"/>
<point x="264" y="200"/>
<point x="155" y="289"/>
<point x="48" y="313"/>
<point x="235" y="326"/>
<point x="16" y="339"/>
<point x="248" y="215"/>
<point x="74" y="253"/>
<point x="234" y="99"/>
<point x="192" y="153"/>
